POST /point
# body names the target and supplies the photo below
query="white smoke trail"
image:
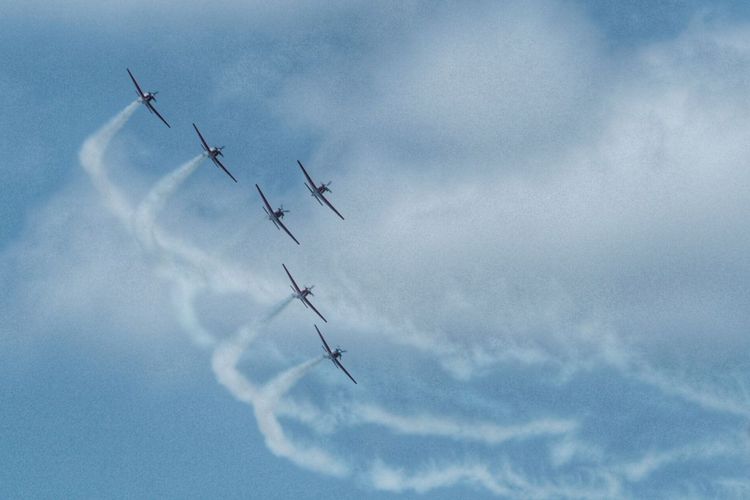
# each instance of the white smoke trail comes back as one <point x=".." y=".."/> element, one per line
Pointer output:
<point x="190" y="267"/>
<point x="714" y="398"/>
<point x="275" y="311"/>
<point x="504" y="481"/>
<point x="264" y="406"/>
<point x="183" y="299"/>
<point x="91" y="157"/>
<point x="156" y="199"/>
<point x="651" y="461"/>
<point x="212" y="272"/>
<point x="242" y="237"/>
<point x="188" y="283"/>
<point x="228" y="353"/>
<point x="202" y="271"/>
<point x="224" y="364"/>
<point x="194" y="271"/>
<point x="282" y="383"/>
<point x="265" y="400"/>
<point x="488" y="433"/>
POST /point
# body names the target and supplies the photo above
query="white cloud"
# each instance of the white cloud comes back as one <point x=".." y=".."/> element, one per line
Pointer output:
<point x="636" y="225"/>
<point x="465" y="84"/>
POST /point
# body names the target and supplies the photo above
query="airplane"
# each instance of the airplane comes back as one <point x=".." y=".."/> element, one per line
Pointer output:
<point x="275" y="216"/>
<point x="302" y="294"/>
<point x="146" y="98"/>
<point x="334" y="355"/>
<point x="213" y="153"/>
<point x="318" y="192"/>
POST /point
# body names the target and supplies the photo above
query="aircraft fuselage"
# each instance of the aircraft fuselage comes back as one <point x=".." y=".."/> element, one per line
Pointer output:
<point x="302" y="294"/>
<point x="318" y="191"/>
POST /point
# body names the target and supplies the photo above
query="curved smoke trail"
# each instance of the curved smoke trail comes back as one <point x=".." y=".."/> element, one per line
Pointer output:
<point x="211" y="272"/>
<point x="183" y="298"/>
<point x="145" y="215"/>
<point x="264" y="407"/>
<point x="227" y="355"/>
<point x="192" y="264"/>
<point x="91" y="156"/>
<point x="188" y="283"/>
<point x="217" y="278"/>
<point x="194" y="271"/>
<point x="265" y="399"/>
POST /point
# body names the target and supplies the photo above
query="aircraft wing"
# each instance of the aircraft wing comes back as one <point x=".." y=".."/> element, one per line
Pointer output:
<point x="338" y="363"/>
<point x="306" y="300"/>
<point x="221" y="166"/>
<point x="152" y="108"/>
<point x="330" y="206"/>
<point x="314" y="190"/>
<point x="307" y="176"/>
<point x="205" y="145"/>
<point x="314" y="197"/>
<point x="270" y="210"/>
<point x="290" y="276"/>
<point x="278" y="221"/>
<point x="138" y="87"/>
<point x="325" y="344"/>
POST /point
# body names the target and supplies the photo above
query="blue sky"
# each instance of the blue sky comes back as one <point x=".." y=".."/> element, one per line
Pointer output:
<point x="541" y="280"/>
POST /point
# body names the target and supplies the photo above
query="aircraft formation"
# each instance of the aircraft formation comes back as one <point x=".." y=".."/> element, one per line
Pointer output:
<point x="275" y="216"/>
